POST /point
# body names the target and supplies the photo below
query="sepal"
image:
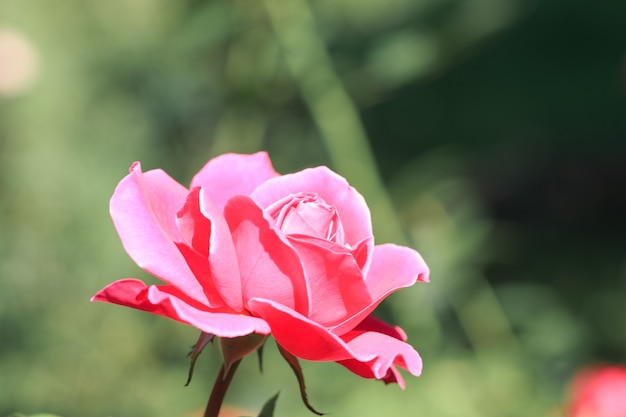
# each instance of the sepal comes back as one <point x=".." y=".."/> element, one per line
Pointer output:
<point x="235" y="348"/>
<point x="295" y="366"/>
<point x="203" y="340"/>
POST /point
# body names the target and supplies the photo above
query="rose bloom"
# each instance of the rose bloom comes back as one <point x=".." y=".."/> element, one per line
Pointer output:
<point x="599" y="392"/>
<point x="247" y="250"/>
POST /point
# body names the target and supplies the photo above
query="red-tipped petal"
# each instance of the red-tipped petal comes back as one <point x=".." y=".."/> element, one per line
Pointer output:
<point x="393" y="267"/>
<point x="222" y="255"/>
<point x="389" y="351"/>
<point x="376" y="352"/>
<point x="269" y="267"/>
<point x="335" y="285"/>
<point x="374" y="324"/>
<point x="167" y="301"/>
<point x="299" y="335"/>
<point x="364" y="370"/>
<point x="213" y="258"/>
<point x="193" y="225"/>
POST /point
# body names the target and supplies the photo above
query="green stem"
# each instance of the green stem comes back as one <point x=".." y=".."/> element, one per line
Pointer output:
<point x="219" y="389"/>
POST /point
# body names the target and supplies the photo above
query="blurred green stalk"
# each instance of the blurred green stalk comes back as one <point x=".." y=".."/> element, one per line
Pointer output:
<point x="332" y="109"/>
<point x="342" y="131"/>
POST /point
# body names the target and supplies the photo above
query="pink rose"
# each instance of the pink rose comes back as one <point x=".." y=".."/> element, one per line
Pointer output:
<point x="599" y="392"/>
<point x="246" y="250"/>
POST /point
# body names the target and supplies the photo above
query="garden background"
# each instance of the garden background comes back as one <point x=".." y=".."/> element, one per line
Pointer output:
<point x="490" y="135"/>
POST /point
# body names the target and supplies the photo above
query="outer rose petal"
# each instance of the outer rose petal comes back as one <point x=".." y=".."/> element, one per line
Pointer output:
<point x="308" y="340"/>
<point x="196" y="229"/>
<point x="193" y="225"/>
<point x="213" y="258"/>
<point x="232" y="174"/>
<point x="391" y="352"/>
<point x="332" y="188"/>
<point x="169" y="302"/>
<point x="269" y="267"/>
<point x="364" y="370"/>
<point x="222" y="255"/>
<point x="335" y="285"/>
<point x="393" y="267"/>
<point x="374" y="325"/>
<point x="143" y="208"/>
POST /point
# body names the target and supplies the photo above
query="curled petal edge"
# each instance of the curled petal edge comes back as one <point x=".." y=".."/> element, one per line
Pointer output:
<point x="395" y="353"/>
<point x="393" y="267"/>
<point x="169" y="302"/>
<point x="375" y="352"/>
<point x="143" y="208"/>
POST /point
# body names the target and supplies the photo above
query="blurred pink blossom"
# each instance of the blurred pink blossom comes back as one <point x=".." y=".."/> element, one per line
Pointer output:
<point x="599" y="392"/>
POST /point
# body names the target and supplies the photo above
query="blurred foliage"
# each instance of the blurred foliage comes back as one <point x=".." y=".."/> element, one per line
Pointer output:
<point x="33" y="415"/>
<point x="488" y="134"/>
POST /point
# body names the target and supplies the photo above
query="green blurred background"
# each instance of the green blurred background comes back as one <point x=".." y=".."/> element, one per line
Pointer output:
<point x="488" y="134"/>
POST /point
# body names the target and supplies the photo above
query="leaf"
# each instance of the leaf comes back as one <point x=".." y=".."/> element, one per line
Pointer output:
<point x="203" y="340"/>
<point x="268" y="408"/>
<point x="295" y="366"/>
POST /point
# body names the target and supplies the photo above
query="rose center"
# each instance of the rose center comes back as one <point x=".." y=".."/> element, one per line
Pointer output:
<point x="309" y="215"/>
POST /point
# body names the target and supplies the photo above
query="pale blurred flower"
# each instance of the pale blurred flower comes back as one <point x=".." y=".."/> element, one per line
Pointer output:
<point x="19" y="62"/>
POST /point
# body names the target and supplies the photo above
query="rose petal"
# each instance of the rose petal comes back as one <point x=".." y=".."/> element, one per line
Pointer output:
<point x="199" y="266"/>
<point x="365" y="370"/>
<point x="143" y="208"/>
<point x="213" y="260"/>
<point x="393" y="267"/>
<point x="390" y="352"/>
<point x="193" y="225"/>
<point x="169" y="302"/>
<point x="269" y="267"/>
<point x="232" y="174"/>
<point x="302" y="337"/>
<point x="335" y="285"/>
<point x="196" y="231"/>
<point x="308" y="340"/>
<point x="332" y="188"/>
<point x="374" y="324"/>
<point x="362" y="254"/>
<point x="222" y="255"/>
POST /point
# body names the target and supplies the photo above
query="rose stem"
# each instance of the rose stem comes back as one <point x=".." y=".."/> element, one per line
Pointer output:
<point x="219" y="390"/>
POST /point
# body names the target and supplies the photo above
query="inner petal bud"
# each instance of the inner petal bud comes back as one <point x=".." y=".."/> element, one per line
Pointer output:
<point x="308" y="215"/>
